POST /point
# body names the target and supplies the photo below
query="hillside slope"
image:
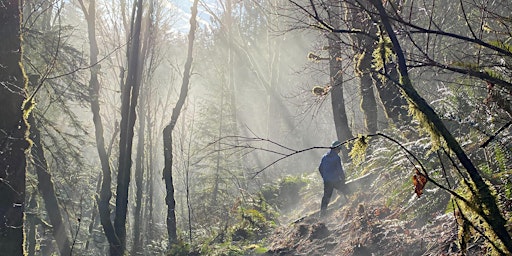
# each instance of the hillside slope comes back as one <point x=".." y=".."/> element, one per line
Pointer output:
<point x="363" y="225"/>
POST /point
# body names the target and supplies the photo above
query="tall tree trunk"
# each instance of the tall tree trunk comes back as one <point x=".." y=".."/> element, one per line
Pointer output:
<point x="488" y="209"/>
<point x="368" y="102"/>
<point x="363" y="47"/>
<point x="31" y="220"/>
<point x="148" y="213"/>
<point x="336" y="79"/>
<point x="231" y="62"/>
<point x="167" y="133"/>
<point x="128" y="117"/>
<point x="139" y="176"/>
<point x="94" y="91"/>
<point x="148" y="46"/>
<point x="392" y="100"/>
<point x="47" y="189"/>
<point x="13" y="130"/>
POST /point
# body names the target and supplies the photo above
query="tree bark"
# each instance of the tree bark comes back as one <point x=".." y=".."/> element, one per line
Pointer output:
<point x="31" y="223"/>
<point x="363" y="48"/>
<point x="395" y="105"/>
<point x="13" y="130"/>
<point x="139" y="174"/>
<point x="94" y="91"/>
<point x="47" y="190"/>
<point x="343" y="131"/>
<point x="167" y="133"/>
<point x="128" y="116"/>
<point x="489" y="209"/>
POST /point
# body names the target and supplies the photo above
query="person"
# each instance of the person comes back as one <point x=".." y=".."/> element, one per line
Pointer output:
<point x="332" y="173"/>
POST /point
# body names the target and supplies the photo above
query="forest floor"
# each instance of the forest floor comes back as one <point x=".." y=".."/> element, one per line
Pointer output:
<point x="363" y="226"/>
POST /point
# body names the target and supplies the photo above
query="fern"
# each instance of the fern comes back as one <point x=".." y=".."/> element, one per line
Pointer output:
<point x="502" y="45"/>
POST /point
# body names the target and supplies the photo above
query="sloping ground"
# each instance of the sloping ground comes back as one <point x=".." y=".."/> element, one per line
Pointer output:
<point x="362" y="227"/>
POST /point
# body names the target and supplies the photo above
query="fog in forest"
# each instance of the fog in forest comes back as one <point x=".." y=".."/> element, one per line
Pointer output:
<point x="164" y="127"/>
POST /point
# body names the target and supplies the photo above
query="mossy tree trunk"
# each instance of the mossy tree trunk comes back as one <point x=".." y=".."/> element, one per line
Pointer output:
<point x="395" y="105"/>
<point x="13" y="130"/>
<point x="486" y="206"/>
<point x="363" y="45"/>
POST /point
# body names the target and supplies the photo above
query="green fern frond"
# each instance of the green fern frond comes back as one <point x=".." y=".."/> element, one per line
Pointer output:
<point x="502" y="45"/>
<point x="466" y="65"/>
<point x="493" y="74"/>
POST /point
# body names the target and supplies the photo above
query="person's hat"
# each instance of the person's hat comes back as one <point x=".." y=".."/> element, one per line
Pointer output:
<point x="335" y="144"/>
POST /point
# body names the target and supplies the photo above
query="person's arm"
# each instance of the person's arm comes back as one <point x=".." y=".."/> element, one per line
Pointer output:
<point x="321" y="167"/>
<point x="339" y="167"/>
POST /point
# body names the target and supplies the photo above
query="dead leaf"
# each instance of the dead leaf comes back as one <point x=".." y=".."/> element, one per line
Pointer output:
<point x="419" y="180"/>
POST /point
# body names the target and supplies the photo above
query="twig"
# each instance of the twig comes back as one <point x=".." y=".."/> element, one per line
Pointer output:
<point x="495" y="134"/>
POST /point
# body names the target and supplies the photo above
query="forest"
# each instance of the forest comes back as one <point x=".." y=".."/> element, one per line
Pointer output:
<point x="196" y="127"/>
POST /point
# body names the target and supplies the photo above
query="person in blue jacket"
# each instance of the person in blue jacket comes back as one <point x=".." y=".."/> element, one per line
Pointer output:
<point x="332" y="173"/>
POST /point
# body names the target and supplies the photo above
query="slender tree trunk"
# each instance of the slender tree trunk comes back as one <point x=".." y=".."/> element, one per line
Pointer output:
<point x="167" y="133"/>
<point x="94" y="90"/>
<point x="47" y="190"/>
<point x="13" y="130"/>
<point x="336" y="79"/>
<point x="489" y="209"/>
<point x="139" y="176"/>
<point x="128" y="117"/>
<point x="149" y="185"/>
<point x="218" y="167"/>
<point x="31" y="223"/>
<point x="148" y="46"/>
<point x="231" y="62"/>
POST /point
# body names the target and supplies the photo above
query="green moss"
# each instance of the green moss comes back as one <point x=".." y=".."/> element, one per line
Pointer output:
<point x="358" y="58"/>
<point x="471" y="213"/>
<point x="426" y="125"/>
<point x="358" y="152"/>
<point x="382" y="54"/>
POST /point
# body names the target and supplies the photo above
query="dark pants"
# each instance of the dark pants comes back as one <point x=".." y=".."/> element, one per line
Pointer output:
<point x="329" y="186"/>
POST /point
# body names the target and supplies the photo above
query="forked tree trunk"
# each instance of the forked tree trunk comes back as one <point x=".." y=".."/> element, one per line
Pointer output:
<point x="167" y="133"/>
<point x="139" y="161"/>
<point x="13" y="130"/>
<point x="130" y="95"/>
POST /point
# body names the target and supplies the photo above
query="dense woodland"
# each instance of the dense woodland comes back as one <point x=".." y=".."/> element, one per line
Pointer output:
<point x="174" y="127"/>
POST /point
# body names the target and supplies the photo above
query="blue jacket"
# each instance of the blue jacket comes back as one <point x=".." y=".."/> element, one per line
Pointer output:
<point x="330" y="167"/>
